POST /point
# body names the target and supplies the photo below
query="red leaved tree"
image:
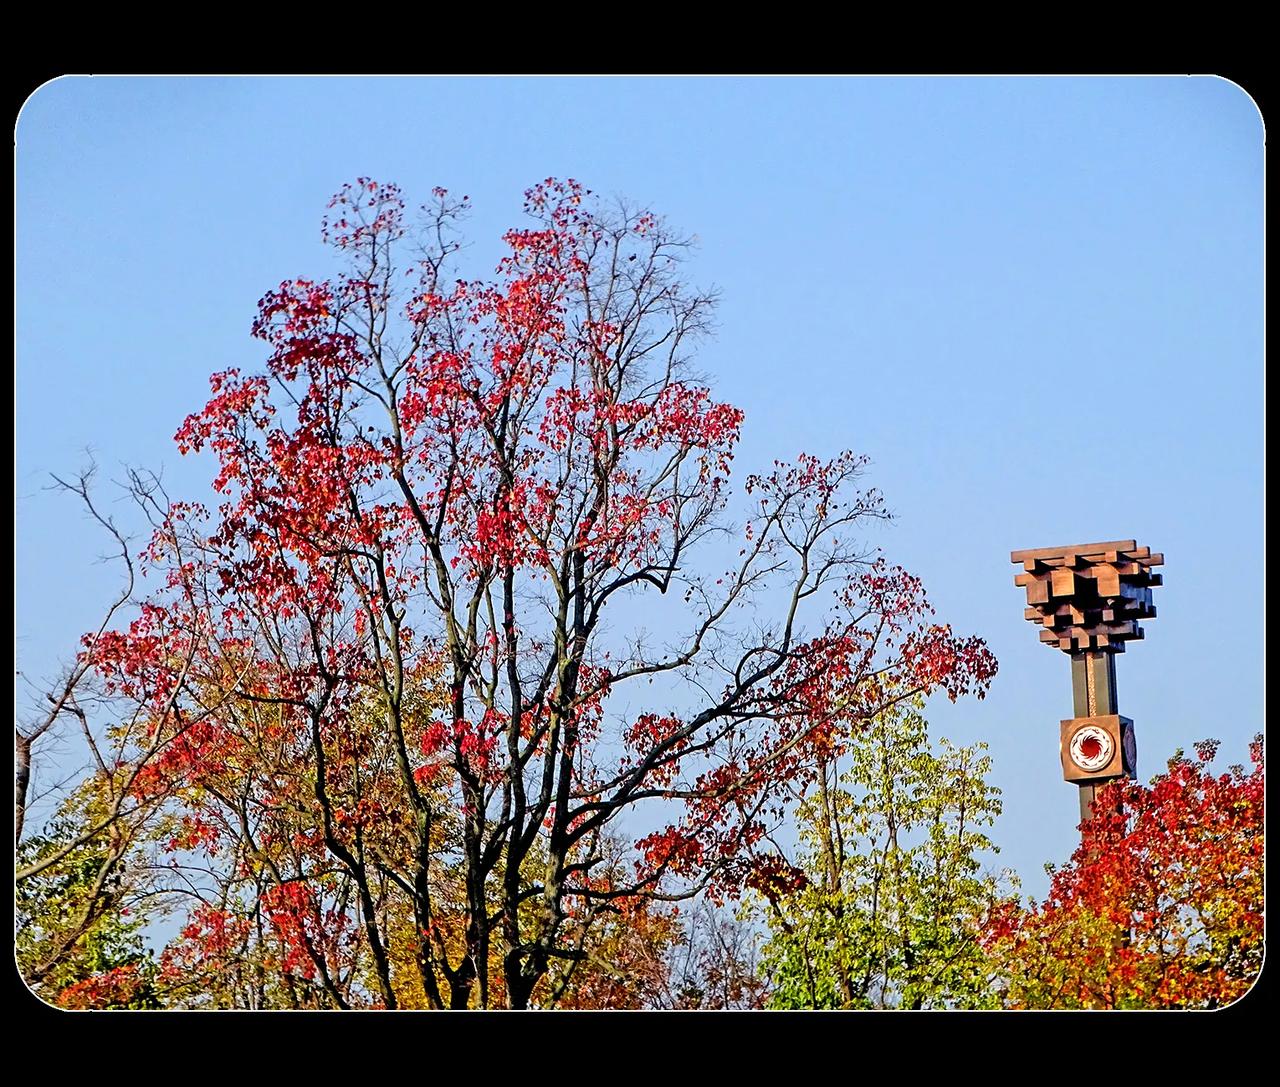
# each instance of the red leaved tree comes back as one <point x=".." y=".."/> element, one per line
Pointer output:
<point x="425" y="749"/>
<point x="1161" y="905"/>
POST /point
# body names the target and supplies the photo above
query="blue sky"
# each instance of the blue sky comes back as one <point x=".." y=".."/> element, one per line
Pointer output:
<point x="1035" y="303"/>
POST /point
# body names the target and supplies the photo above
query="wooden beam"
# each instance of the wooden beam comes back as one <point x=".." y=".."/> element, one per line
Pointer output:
<point x="1074" y="549"/>
<point x="1063" y="582"/>
<point x="1107" y="578"/>
<point x="1116" y="630"/>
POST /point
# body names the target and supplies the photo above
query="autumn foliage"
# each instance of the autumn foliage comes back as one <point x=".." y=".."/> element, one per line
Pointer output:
<point x="1160" y="907"/>
<point x="480" y="663"/>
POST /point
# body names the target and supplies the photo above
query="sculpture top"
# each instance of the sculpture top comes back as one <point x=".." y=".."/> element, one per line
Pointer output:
<point x="1089" y="596"/>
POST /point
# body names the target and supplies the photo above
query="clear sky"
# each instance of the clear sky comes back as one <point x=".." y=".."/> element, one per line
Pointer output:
<point x="1037" y="304"/>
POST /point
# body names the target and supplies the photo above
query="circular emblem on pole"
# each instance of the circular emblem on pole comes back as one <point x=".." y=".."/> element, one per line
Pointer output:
<point x="1091" y="748"/>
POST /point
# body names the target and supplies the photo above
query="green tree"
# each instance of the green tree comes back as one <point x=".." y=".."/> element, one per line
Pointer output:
<point x="884" y="907"/>
<point x="77" y="941"/>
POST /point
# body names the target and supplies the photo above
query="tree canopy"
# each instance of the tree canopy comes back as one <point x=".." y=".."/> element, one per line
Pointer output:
<point x="393" y="727"/>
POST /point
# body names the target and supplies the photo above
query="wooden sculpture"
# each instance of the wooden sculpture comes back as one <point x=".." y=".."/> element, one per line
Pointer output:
<point x="1089" y="600"/>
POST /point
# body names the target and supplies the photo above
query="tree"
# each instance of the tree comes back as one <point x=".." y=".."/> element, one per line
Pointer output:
<point x="61" y="700"/>
<point x="716" y="963"/>
<point x="884" y="908"/>
<point x="1161" y="904"/>
<point x="415" y="716"/>
<point x="85" y="879"/>
<point x="78" y="935"/>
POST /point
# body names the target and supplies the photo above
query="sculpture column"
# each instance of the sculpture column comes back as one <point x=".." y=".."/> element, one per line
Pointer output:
<point x="1089" y="600"/>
